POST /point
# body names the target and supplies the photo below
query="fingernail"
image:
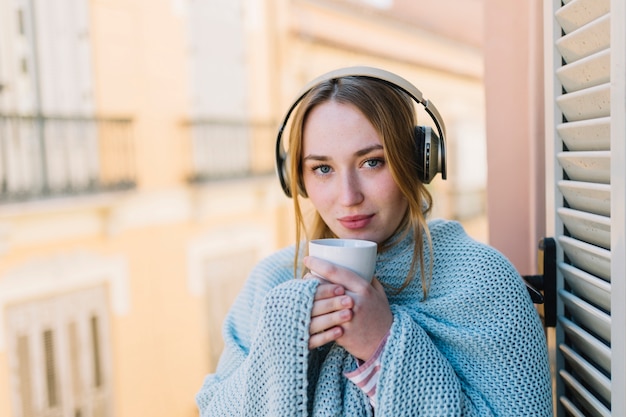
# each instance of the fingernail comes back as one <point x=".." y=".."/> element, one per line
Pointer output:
<point x="345" y="301"/>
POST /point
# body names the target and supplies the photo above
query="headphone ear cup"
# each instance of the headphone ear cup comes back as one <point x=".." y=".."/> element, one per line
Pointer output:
<point x="429" y="153"/>
<point x="282" y="163"/>
<point x="282" y="169"/>
<point x="283" y="175"/>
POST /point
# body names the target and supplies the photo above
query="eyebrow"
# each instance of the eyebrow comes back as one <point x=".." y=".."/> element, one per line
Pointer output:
<point x="360" y="152"/>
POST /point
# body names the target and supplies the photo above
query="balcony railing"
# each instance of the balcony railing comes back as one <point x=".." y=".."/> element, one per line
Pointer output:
<point x="226" y="149"/>
<point x="51" y="156"/>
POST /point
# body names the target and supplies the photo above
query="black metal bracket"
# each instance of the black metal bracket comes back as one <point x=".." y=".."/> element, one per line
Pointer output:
<point x="542" y="287"/>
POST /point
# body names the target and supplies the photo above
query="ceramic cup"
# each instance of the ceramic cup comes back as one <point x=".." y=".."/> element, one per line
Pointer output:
<point x="354" y="254"/>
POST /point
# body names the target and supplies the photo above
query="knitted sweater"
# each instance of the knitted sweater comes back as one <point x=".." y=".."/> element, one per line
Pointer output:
<point x="475" y="347"/>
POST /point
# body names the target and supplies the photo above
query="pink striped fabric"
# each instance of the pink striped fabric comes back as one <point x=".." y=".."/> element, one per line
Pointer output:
<point x="366" y="375"/>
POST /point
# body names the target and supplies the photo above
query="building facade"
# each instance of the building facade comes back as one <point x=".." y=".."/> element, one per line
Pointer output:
<point x="137" y="185"/>
<point x="136" y="171"/>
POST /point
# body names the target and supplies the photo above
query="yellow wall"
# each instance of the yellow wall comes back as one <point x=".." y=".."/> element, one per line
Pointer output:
<point x="140" y="56"/>
<point x="160" y="345"/>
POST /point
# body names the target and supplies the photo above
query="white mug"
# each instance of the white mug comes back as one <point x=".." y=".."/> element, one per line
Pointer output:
<point x="354" y="254"/>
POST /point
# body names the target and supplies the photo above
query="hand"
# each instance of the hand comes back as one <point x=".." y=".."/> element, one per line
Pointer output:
<point x="358" y="328"/>
<point x="331" y="308"/>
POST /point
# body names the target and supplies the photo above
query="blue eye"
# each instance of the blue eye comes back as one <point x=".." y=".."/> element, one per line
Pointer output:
<point x="373" y="163"/>
<point x="322" y="169"/>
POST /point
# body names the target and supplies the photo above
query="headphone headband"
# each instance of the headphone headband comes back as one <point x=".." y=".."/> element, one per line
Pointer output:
<point x="367" y="72"/>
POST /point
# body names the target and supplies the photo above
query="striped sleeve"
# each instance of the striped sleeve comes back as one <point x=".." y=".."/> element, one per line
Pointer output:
<point x="366" y="375"/>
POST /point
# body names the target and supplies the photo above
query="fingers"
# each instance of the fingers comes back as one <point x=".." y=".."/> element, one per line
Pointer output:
<point x="334" y="274"/>
<point x="327" y="327"/>
<point x="328" y="291"/>
<point x="328" y="305"/>
<point x="327" y="316"/>
<point x="320" y="339"/>
<point x="327" y="321"/>
<point x="313" y="275"/>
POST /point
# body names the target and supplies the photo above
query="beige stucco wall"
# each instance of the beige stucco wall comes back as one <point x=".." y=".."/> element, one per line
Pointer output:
<point x="161" y="342"/>
<point x="140" y="70"/>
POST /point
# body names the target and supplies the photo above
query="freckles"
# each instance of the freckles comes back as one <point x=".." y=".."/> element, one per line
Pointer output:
<point x="384" y="189"/>
<point x="318" y="196"/>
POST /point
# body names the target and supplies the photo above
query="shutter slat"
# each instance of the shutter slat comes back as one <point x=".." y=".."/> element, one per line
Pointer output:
<point x="588" y="287"/>
<point x="586" y="135"/>
<point x="585" y="398"/>
<point x="586" y="40"/>
<point x="571" y="408"/>
<point x="53" y="354"/>
<point x="584" y="205"/>
<point x="590" y="166"/>
<point x="587" y="72"/>
<point x="578" y="13"/>
<point x="594" y="350"/>
<point x="593" y="378"/>
<point x="587" y="196"/>
<point x="588" y="227"/>
<point x="24" y="373"/>
<point x="589" y="258"/>
<point x="592" y="319"/>
<point x="589" y="103"/>
<point x="50" y="361"/>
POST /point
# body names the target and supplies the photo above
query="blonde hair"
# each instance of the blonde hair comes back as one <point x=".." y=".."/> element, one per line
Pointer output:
<point x="392" y="114"/>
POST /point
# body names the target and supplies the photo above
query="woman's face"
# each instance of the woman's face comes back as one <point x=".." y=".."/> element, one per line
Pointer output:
<point x="346" y="176"/>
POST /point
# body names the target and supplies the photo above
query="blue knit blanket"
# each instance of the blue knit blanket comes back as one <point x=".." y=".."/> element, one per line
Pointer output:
<point x="475" y="347"/>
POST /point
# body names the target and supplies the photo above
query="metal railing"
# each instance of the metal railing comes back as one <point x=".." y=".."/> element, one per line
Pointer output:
<point x="49" y="156"/>
<point x="227" y="149"/>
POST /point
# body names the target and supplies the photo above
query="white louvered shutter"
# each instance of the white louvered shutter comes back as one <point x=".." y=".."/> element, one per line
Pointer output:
<point x="585" y="134"/>
<point x="46" y="70"/>
<point x="59" y="355"/>
<point x="66" y="88"/>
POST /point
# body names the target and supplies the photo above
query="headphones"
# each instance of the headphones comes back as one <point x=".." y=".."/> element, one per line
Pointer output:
<point x="430" y="147"/>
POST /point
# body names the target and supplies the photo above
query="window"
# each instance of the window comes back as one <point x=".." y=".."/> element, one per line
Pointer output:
<point x="225" y="277"/>
<point x="20" y="22"/>
<point x="219" y="264"/>
<point x="59" y="355"/>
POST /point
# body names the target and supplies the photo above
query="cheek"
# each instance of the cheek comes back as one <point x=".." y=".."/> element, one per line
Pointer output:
<point x="316" y="194"/>
<point x="389" y="193"/>
<point x="384" y="185"/>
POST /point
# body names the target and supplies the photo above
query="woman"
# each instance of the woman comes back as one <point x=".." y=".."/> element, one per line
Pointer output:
<point x="446" y="328"/>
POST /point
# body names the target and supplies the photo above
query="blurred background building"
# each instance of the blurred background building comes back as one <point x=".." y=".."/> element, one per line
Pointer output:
<point x="137" y="183"/>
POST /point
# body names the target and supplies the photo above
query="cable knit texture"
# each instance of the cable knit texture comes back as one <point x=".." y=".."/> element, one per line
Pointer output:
<point x="475" y="347"/>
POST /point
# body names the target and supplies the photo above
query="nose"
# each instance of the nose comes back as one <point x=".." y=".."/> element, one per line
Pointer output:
<point x="350" y="192"/>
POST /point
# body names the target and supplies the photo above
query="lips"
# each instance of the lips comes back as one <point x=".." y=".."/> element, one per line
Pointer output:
<point x="355" y="222"/>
